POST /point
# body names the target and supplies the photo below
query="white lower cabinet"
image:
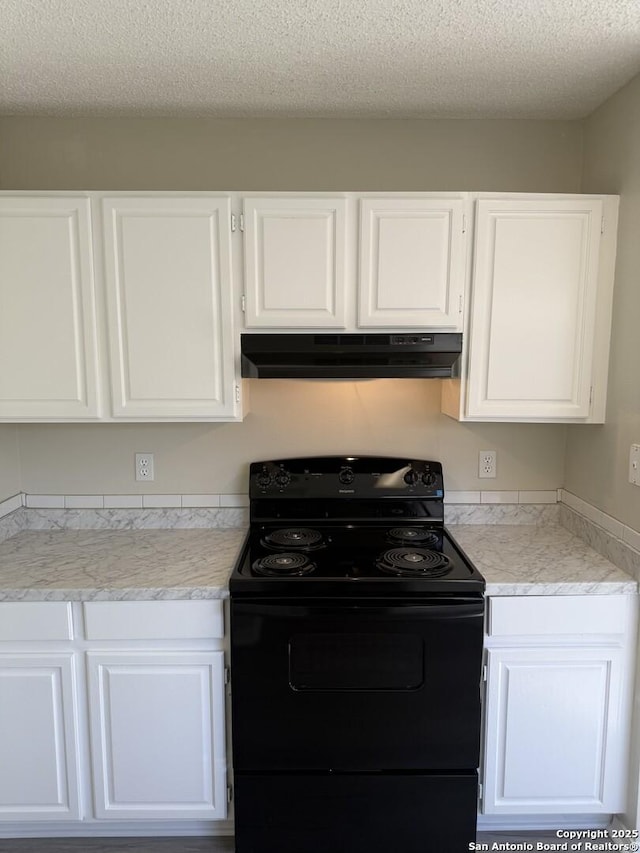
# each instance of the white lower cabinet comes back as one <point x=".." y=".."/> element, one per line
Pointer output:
<point x="38" y="737"/>
<point x="111" y="712"/>
<point x="157" y="734"/>
<point x="558" y="704"/>
<point x="552" y="743"/>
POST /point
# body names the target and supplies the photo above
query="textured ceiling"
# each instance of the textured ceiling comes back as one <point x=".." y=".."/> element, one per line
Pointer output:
<point x="339" y="58"/>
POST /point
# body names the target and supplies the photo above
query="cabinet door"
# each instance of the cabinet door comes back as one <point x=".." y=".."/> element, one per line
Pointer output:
<point x="412" y="262"/>
<point x="554" y="738"/>
<point x="38" y="738"/>
<point x="169" y="295"/>
<point x="47" y="309"/>
<point x="157" y="734"/>
<point x="534" y="308"/>
<point x="295" y="262"/>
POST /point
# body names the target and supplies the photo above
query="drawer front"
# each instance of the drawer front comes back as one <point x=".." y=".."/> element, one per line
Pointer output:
<point x="153" y="620"/>
<point x="35" y="620"/>
<point x="561" y="614"/>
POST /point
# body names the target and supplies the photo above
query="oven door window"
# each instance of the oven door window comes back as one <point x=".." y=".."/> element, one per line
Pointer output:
<point x="356" y="661"/>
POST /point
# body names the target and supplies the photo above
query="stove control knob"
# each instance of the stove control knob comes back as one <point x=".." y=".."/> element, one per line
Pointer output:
<point x="429" y="478"/>
<point x="283" y="478"/>
<point x="346" y="476"/>
<point x="264" y="478"/>
<point x="411" y="477"/>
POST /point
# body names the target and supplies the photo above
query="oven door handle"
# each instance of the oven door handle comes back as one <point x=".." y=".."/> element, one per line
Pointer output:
<point x="461" y="609"/>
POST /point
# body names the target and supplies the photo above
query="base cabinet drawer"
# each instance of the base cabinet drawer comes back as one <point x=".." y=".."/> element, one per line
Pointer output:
<point x="35" y="620"/>
<point x="557" y="615"/>
<point x="154" y="620"/>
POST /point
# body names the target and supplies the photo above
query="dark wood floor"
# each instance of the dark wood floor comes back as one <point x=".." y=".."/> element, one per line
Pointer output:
<point x="179" y="845"/>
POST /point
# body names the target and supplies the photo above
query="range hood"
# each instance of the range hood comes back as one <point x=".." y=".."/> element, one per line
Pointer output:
<point x="417" y="355"/>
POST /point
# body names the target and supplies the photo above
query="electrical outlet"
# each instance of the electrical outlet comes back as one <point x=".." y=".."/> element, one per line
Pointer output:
<point x="144" y="466"/>
<point x="634" y="465"/>
<point x="487" y="463"/>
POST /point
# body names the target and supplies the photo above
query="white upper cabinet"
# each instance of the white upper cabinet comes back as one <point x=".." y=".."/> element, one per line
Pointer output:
<point x="412" y="262"/>
<point x="295" y="265"/>
<point x="47" y="309"/>
<point x="170" y="315"/>
<point x="156" y="337"/>
<point x="355" y="261"/>
<point x="537" y="342"/>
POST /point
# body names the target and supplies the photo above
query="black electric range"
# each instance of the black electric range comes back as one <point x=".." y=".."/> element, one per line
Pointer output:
<point x="356" y="647"/>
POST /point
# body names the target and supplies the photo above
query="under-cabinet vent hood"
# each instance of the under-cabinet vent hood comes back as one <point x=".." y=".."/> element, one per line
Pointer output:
<point x="417" y="355"/>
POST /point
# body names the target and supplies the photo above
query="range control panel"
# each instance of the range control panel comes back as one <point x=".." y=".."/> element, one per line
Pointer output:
<point x="346" y="476"/>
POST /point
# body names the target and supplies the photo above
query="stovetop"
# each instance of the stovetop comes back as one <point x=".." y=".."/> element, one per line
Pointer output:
<point x="353" y="560"/>
<point x="350" y="526"/>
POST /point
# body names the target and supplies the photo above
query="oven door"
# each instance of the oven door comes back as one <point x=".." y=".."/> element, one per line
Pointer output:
<point x="356" y="687"/>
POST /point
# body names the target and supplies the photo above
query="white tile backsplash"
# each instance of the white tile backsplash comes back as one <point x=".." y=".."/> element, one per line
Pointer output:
<point x="465" y="507"/>
<point x="612" y="525"/>
<point x="499" y="497"/>
<point x="161" y="501"/>
<point x="123" y="501"/>
<point x="83" y="501"/>
<point x="45" y="501"/>
<point x="11" y="504"/>
<point x="631" y="537"/>
<point x="462" y="497"/>
<point x="234" y="500"/>
<point x="539" y="497"/>
<point x="189" y="501"/>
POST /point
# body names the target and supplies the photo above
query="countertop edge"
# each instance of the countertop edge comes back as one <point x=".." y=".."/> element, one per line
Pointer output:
<point x="132" y="594"/>
<point x="630" y="587"/>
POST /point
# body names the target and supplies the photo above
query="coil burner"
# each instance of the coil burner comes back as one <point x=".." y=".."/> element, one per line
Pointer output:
<point x="283" y="565"/>
<point x="416" y="562"/>
<point x="294" y="538"/>
<point x="415" y="536"/>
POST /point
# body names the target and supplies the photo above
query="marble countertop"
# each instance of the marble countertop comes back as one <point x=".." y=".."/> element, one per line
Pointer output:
<point x="539" y="560"/>
<point x="120" y="565"/>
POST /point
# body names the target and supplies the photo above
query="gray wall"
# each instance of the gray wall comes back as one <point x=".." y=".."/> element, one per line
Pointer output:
<point x="598" y="456"/>
<point x="289" y="154"/>
<point x="10" y="481"/>
<point x="289" y="418"/>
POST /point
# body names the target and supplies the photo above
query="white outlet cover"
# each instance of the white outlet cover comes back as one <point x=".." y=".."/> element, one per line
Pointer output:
<point x="634" y="465"/>
<point x="144" y="467"/>
<point x="487" y="460"/>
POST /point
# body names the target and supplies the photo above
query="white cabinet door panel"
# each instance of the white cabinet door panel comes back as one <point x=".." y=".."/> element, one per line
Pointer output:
<point x="168" y="279"/>
<point x="38" y="738"/>
<point x="533" y="313"/>
<point x="295" y="262"/>
<point x="553" y="740"/>
<point x="157" y="733"/>
<point x="412" y="263"/>
<point x="47" y="309"/>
